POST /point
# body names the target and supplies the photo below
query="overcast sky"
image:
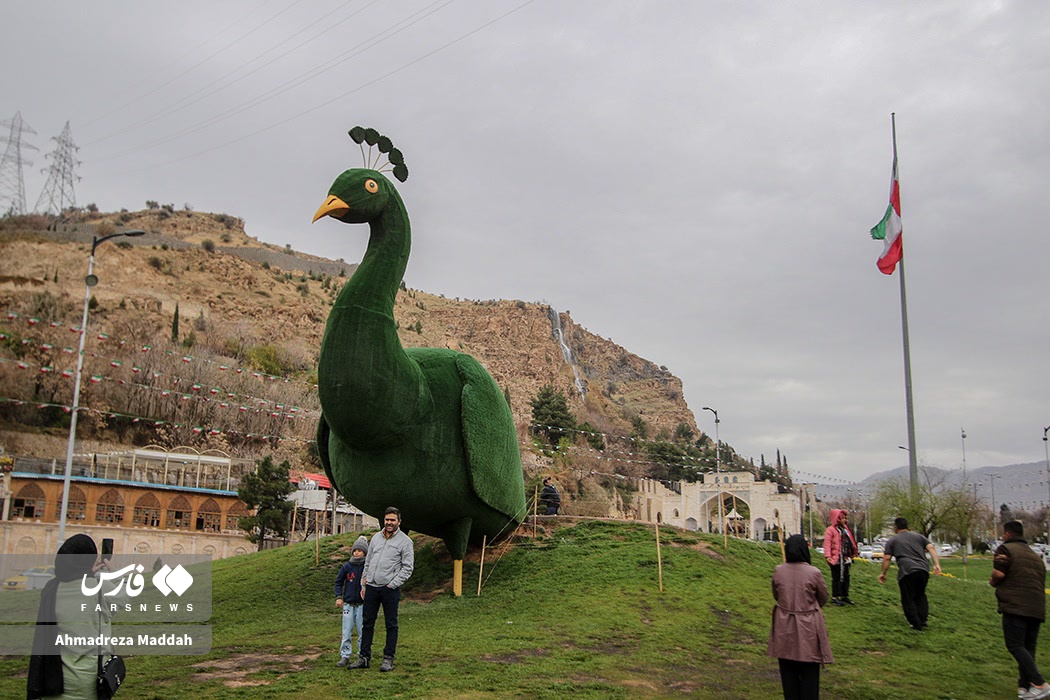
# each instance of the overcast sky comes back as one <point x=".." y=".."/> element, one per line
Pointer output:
<point x="694" y="180"/>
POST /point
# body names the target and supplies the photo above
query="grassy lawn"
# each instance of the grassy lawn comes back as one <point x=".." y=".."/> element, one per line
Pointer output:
<point x="577" y="611"/>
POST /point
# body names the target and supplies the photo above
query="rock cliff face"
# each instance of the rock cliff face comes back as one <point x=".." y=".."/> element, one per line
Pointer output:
<point x="230" y="305"/>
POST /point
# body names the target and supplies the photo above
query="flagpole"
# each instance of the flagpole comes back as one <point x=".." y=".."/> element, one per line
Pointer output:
<point x="913" y="464"/>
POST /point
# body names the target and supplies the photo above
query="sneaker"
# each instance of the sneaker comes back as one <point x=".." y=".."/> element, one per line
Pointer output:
<point x="836" y="601"/>
<point x="1022" y="693"/>
<point x="359" y="662"/>
<point x="343" y="661"/>
<point x="847" y="601"/>
<point x="1038" y="691"/>
<point x="388" y="665"/>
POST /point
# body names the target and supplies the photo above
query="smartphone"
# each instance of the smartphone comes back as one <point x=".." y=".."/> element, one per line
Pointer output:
<point x="107" y="548"/>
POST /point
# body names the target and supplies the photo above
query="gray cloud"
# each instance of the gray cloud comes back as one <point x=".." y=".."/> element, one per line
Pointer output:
<point x="694" y="180"/>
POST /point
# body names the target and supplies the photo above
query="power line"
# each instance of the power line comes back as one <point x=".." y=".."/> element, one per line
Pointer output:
<point x="342" y="96"/>
<point x="189" y="52"/>
<point x="284" y="87"/>
<point x="173" y="107"/>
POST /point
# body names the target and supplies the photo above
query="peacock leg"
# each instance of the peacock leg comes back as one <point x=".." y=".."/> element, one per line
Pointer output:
<point x="457" y="534"/>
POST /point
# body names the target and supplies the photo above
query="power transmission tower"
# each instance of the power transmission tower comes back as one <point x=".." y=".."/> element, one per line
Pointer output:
<point x="58" y="193"/>
<point x="12" y="184"/>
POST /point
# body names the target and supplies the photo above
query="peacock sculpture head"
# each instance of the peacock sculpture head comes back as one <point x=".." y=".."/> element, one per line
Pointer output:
<point x="360" y="195"/>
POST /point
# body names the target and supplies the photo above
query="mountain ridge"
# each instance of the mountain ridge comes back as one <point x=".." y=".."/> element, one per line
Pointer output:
<point x="237" y="296"/>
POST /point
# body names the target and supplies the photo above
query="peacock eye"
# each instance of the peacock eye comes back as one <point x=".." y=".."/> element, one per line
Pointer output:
<point x="372" y="186"/>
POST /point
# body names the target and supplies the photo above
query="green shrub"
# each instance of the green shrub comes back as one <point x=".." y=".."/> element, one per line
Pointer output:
<point x="266" y="359"/>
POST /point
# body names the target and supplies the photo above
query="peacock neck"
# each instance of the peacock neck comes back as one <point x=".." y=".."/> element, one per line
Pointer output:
<point x="370" y="390"/>
<point x="375" y="283"/>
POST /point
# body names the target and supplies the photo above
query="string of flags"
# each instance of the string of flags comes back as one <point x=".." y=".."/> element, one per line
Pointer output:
<point x="34" y="321"/>
<point x="197" y="429"/>
<point x="196" y="391"/>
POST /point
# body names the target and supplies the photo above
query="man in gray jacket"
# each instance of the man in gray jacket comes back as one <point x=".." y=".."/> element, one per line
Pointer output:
<point x="389" y="564"/>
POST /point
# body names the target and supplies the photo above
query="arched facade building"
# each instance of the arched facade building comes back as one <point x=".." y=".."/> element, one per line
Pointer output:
<point x="750" y="508"/>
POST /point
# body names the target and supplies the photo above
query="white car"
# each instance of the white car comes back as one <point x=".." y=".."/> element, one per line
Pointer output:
<point x="866" y="552"/>
<point x="946" y="550"/>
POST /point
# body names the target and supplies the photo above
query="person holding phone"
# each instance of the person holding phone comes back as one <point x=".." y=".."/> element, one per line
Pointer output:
<point x="73" y="672"/>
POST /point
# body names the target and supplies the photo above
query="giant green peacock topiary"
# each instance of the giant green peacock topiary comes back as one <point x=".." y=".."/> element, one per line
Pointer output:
<point x="424" y="429"/>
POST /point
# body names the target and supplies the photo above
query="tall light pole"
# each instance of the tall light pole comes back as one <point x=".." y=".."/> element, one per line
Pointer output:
<point x="89" y="281"/>
<point x="1046" y="449"/>
<point x="969" y="542"/>
<point x="718" y="469"/>
<point x="995" y="509"/>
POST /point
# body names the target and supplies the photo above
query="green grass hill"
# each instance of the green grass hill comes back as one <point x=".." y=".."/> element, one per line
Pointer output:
<point x="576" y="612"/>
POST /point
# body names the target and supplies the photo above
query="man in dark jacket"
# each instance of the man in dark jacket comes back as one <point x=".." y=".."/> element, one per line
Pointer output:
<point x="1019" y="579"/>
<point x="549" y="497"/>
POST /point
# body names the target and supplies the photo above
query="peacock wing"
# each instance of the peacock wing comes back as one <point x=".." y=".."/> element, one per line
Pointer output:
<point x="491" y="442"/>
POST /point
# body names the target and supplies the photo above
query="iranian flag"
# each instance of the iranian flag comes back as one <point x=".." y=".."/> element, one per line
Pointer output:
<point x="889" y="229"/>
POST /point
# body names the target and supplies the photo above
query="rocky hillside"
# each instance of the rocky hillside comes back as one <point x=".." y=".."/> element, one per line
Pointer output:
<point x="251" y="317"/>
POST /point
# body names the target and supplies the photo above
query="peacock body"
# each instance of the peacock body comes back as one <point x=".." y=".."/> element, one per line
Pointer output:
<point x="427" y="430"/>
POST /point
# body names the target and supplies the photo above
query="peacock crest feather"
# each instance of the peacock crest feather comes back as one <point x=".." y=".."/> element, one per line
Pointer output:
<point x="395" y="160"/>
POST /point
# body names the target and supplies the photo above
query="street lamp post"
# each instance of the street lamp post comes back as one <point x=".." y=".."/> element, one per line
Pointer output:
<point x="1046" y="449"/>
<point x="89" y="281"/>
<point x="969" y="542"/>
<point x="718" y="469"/>
<point x="995" y="509"/>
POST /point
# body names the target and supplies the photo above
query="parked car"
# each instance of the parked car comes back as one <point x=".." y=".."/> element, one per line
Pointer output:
<point x="865" y="552"/>
<point x="946" y="550"/>
<point x="31" y="579"/>
<point x="876" y="552"/>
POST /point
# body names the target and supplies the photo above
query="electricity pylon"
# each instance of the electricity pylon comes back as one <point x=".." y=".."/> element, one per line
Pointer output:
<point x="12" y="184"/>
<point x="58" y="193"/>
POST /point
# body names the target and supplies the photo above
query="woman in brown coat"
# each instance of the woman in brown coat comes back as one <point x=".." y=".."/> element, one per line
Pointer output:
<point x="799" y="638"/>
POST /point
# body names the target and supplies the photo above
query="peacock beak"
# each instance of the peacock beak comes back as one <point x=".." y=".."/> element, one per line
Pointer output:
<point x="333" y="206"/>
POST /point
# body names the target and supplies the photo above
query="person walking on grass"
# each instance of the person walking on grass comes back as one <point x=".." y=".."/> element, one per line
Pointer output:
<point x="840" y="546"/>
<point x="913" y="571"/>
<point x="1019" y="579"/>
<point x="348" y="598"/>
<point x="798" y="637"/>
<point x="550" y="498"/>
<point x="389" y="564"/>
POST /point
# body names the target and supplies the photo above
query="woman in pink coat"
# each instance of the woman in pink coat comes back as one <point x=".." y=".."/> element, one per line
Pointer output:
<point x="798" y="637"/>
<point x="840" y="546"/>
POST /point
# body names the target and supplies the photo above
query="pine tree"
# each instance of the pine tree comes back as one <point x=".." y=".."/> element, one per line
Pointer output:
<point x="265" y="491"/>
<point x="551" y="415"/>
<point x="175" y="325"/>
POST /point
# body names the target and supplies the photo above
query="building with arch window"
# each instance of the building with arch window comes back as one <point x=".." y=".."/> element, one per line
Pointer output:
<point x="750" y="508"/>
<point x="149" y="501"/>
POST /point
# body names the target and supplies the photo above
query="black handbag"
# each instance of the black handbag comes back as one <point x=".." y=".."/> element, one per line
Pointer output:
<point x="111" y="673"/>
<point x="110" y="676"/>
